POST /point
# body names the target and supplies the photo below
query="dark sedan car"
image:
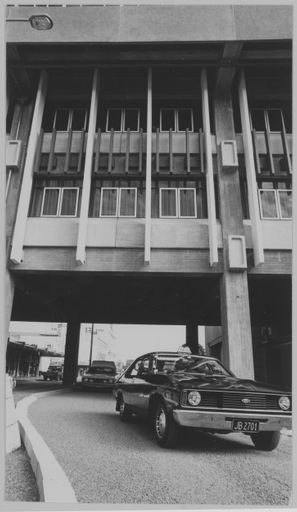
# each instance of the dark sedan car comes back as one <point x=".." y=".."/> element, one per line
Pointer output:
<point x="100" y="375"/>
<point x="173" y="390"/>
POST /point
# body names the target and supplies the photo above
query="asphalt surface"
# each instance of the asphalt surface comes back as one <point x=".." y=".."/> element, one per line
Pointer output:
<point x="107" y="461"/>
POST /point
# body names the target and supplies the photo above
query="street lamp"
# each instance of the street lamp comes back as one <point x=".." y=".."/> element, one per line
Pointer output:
<point x="37" y="21"/>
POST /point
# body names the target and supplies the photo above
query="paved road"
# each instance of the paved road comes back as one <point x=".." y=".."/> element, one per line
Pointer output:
<point x="108" y="461"/>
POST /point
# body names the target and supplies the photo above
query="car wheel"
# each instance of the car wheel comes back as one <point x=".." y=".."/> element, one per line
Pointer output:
<point x="165" y="429"/>
<point x="125" y="414"/>
<point x="266" y="441"/>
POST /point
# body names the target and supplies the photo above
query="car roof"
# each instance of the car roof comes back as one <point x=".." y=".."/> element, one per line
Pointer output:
<point x="180" y="354"/>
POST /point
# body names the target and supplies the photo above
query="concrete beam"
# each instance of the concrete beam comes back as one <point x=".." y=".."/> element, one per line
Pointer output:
<point x="226" y="72"/>
<point x="154" y="23"/>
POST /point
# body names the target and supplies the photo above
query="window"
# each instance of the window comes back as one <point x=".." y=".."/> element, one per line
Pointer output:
<point x="122" y="119"/>
<point x="140" y="367"/>
<point x="59" y="202"/>
<point x="177" y="119"/>
<point x="275" y="204"/>
<point x="272" y="118"/>
<point x="118" y="202"/>
<point x="178" y="202"/>
<point x="70" y="118"/>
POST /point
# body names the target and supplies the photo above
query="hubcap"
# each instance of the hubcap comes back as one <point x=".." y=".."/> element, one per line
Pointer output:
<point x="160" y="423"/>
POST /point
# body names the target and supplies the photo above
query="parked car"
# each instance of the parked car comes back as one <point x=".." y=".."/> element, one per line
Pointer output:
<point x="174" y="390"/>
<point x="54" y="372"/>
<point x="100" y="375"/>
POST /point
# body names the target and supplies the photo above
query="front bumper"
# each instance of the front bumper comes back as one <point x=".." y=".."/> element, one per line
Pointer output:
<point x="222" y="420"/>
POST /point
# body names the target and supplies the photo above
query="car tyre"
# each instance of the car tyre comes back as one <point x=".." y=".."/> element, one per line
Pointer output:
<point x="166" y="430"/>
<point x="266" y="441"/>
<point x="125" y="414"/>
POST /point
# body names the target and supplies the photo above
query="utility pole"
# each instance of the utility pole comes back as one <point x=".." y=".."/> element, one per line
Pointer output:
<point x="91" y="346"/>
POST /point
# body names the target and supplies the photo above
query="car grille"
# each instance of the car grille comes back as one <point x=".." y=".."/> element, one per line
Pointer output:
<point x="252" y="401"/>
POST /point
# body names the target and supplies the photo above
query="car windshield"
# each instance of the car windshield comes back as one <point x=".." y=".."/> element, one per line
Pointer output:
<point x="191" y="364"/>
<point x="101" y="369"/>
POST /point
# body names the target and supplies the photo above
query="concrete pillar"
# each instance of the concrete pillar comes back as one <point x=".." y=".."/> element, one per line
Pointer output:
<point x="71" y="351"/>
<point x="235" y="311"/>
<point x="192" y="337"/>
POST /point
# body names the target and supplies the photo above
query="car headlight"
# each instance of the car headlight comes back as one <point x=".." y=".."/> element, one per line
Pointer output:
<point x="194" y="398"/>
<point x="284" y="403"/>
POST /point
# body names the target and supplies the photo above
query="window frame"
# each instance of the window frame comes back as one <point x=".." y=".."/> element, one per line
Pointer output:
<point x="70" y="117"/>
<point x="59" y="203"/>
<point x="195" y="203"/>
<point x="176" y="119"/>
<point x="43" y="200"/>
<point x="123" y="119"/>
<point x="160" y="203"/>
<point x="178" y="207"/>
<point x="277" y="203"/>
<point x="266" y="111"/>
<point x="101" y="202"/>
<point x="118" y="203"/>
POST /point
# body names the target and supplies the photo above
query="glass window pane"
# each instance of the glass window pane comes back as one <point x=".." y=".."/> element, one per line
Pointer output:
<point x="258" y="121"/>
<point x="109" y="202"/>
<point x="69" y="202"/>
<point x="187" y="206"/>
<point x="285" y="202"/>
<point x="61" y="121"/>
<point x="275" y="120"/>
<point x="168" y="203"/>
<point x="50" y="201"/>
<point x="185" y="119"/>
<point x="78" y="119"/>
<point x="287" y="113"/>
<point x="167" y="119"/>
<point x="114" y="119"/>
<point x="132" y="119"/>
<point x="268" y="203"/>
<point x="128" y="202"/>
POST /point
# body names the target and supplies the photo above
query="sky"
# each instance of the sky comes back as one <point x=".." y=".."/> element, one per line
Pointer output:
<point x="123" y="341"/>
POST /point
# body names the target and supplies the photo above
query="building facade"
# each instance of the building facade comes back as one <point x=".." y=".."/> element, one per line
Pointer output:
<point x="149" y="173"/>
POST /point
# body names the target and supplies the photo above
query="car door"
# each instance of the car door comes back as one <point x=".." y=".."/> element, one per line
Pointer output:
<point x="130" y="385"/>
<point x="134" y="386"/>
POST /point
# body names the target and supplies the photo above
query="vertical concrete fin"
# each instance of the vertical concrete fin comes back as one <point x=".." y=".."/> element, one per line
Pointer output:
<point x="84" y="208"/>
<point x="148" y="188"/>
<point x="24" y="201"/>
<point x="257" y="236"/>
<point x="211" y="205"/>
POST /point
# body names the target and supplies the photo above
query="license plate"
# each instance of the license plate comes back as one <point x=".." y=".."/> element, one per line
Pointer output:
<point x="245" y="425"/>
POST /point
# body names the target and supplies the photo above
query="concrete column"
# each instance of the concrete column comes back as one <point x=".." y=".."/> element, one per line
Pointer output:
<point x="235" y="311"/>
<point x="192" y="337"/>
<point x="71" y="351"/>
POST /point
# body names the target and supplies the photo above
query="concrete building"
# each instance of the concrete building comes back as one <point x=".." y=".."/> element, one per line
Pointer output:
<point x="149" y="173"/>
